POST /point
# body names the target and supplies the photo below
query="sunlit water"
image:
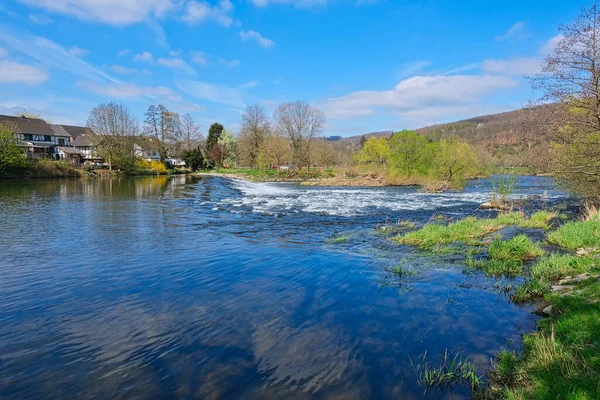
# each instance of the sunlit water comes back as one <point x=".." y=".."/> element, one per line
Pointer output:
<point x="216" y="288"/>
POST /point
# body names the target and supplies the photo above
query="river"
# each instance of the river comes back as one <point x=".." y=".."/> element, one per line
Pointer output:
<point x="216" y="288"/>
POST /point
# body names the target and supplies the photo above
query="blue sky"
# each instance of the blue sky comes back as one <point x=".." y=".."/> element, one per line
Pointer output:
<point x="369" y="64"/>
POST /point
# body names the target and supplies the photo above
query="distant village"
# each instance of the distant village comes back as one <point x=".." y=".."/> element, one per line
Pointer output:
<point x="73" y="144"/>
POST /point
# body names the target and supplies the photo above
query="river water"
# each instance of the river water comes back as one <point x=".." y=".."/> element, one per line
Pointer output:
<point x="216" y="288"/>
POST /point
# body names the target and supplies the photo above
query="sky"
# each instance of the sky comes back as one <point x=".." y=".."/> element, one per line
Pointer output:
<point x="370" y="65"/>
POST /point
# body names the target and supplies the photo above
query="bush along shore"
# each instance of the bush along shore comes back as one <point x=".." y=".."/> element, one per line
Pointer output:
<point x="561" y="275"/>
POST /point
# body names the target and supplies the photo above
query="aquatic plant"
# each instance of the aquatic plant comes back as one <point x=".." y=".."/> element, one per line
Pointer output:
<point x="407" y="224"/>
<point x="340" y="239"/>
<point x="503" y="188"/>
<point x="496" y="267"/>
<point x="402" y="271"/>
<point x="452" y="371"/>
<point x="519" y="248"/>
<point x="530" y="290"/>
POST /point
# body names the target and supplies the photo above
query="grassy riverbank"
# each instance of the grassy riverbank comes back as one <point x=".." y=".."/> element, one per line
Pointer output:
<point x="561" y="275"/>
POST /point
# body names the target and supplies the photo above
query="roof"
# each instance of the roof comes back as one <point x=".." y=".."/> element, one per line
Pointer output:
<point x="34" y="126"/>
<point x="59" y="130"/>
<point x="75" y="131"/>
<point x="69" y="150"/>
<point x="81" y="141"/>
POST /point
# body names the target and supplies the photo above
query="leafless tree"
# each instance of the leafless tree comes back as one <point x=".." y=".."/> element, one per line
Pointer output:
<point x="274" y="150"/>
<point x="570" y="79"/>
<point x="164" y="125"/>
<point x="300" y="123"/>
<point x="190" y="133"/>
<point x="113" y="132"/>
<point x="255" y="128"/>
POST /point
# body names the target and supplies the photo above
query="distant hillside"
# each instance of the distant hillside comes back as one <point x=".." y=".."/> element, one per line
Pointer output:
<point x="368" y="136"/>
<point x="511" y="138"/>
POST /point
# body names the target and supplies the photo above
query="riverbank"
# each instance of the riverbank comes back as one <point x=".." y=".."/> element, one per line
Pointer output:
<point x="560" y="274"/>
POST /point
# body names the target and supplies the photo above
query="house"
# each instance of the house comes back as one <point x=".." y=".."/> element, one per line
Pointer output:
<point x="34" y="134"/>
<point x="81" y="141"/>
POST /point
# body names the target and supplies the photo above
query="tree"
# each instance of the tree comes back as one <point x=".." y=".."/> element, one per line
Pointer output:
<point x="228" y="147"/>
<point x="164" y="125"/>
<point x="190" y="133"/>
<point x="214" y="133"/>
<point x="453" y="162"/>
<point x="194" y="159"/>
<point x="570" y="79"/>
<point x="322" y="153"/>
<point x="408" y="152"/>
<point x="275" y="150"/>
<point x="255" y="127"/>
<point x="375" y="151"/>
<point x="363" y="140"/>
<point x="11" y="154"/>
<point x="113" y="134"/>
<point x="300" y="123"/>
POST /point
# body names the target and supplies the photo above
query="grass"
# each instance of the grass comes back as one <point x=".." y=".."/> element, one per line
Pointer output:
<point x="562" y="360"/>
<point x="470" y="231"/>
<point x="496" y="267"/>
<point x="577" y="234"/>
<point x="401" y="271"/>
<point x="452" y="371"/>
<point x="340" y="239"/>
<point x="530" y="290"/>
<point x="519" y="248"/>
<point x="558" y="266"/>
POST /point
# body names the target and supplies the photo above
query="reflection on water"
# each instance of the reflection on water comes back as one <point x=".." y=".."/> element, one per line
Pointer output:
<point x="186" y="288"/>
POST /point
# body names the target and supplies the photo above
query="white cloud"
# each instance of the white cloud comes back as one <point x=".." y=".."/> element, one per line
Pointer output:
<point x="119" y="69"/>
<point x="40" y="19"/>
<point x="297" y="3"/>
<point x="517" y="31"/>
<point x="78" y="51"/>
<point x="248" y="85"/>
<point x="122" y="53"/>
<point x="435" y="96"/>
<point x="257" y="37"/>
<point x="412" y="68"/>
<point x="199" y="58"/>
<point x="144" y="57"/>
<point x="551" y="44"/>
<point x="13" y="72"/>
<point x="513" y="67"/>
<point x="113" y="12"/>
<point x="51" y="54"/>
<point x="200" y="11"/>
<point x="3" y="53"/>
<point x="130" y="91"/>
<point x="176" y="64"/>
<point x="229" y="63"/>
<point x="215" y="93"/>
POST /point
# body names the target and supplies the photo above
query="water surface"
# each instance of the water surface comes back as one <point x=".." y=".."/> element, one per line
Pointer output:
<point x="215" y="288"/>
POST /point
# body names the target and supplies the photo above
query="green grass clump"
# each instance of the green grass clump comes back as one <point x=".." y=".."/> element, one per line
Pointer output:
<point x="519" y="248"/>
<point x="468" y="231"/>
<point x="506" y="368"/>
<point x="339" y="239"/>
<point x="577" y="234"/>
<point x="407" y="224"/>
<point x="530" y="290"/>
<point x="402" y="271"/>
<point x="538" y="220"/>
<point x="558" y="266"/>
<point x="453" y="371"/>
<point x="496" y="267"/>
<point x="562" y="360"/>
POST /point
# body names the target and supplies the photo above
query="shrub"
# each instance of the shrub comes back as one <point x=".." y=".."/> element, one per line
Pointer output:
<point x="158" y="167"/>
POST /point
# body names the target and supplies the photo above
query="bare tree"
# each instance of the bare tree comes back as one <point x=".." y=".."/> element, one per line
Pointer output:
<point x="255" y="127"/>
<point x="113" y="133"/>
<point x="190" y="133"/>
<point x="274" y="150"/>
<point x="570" y="79"/>
<point x="300" y="123"/>
<point x="164" y="125"/>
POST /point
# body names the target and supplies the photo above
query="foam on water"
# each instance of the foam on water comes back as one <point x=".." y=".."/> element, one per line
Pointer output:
<point x="274" y="198"/>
